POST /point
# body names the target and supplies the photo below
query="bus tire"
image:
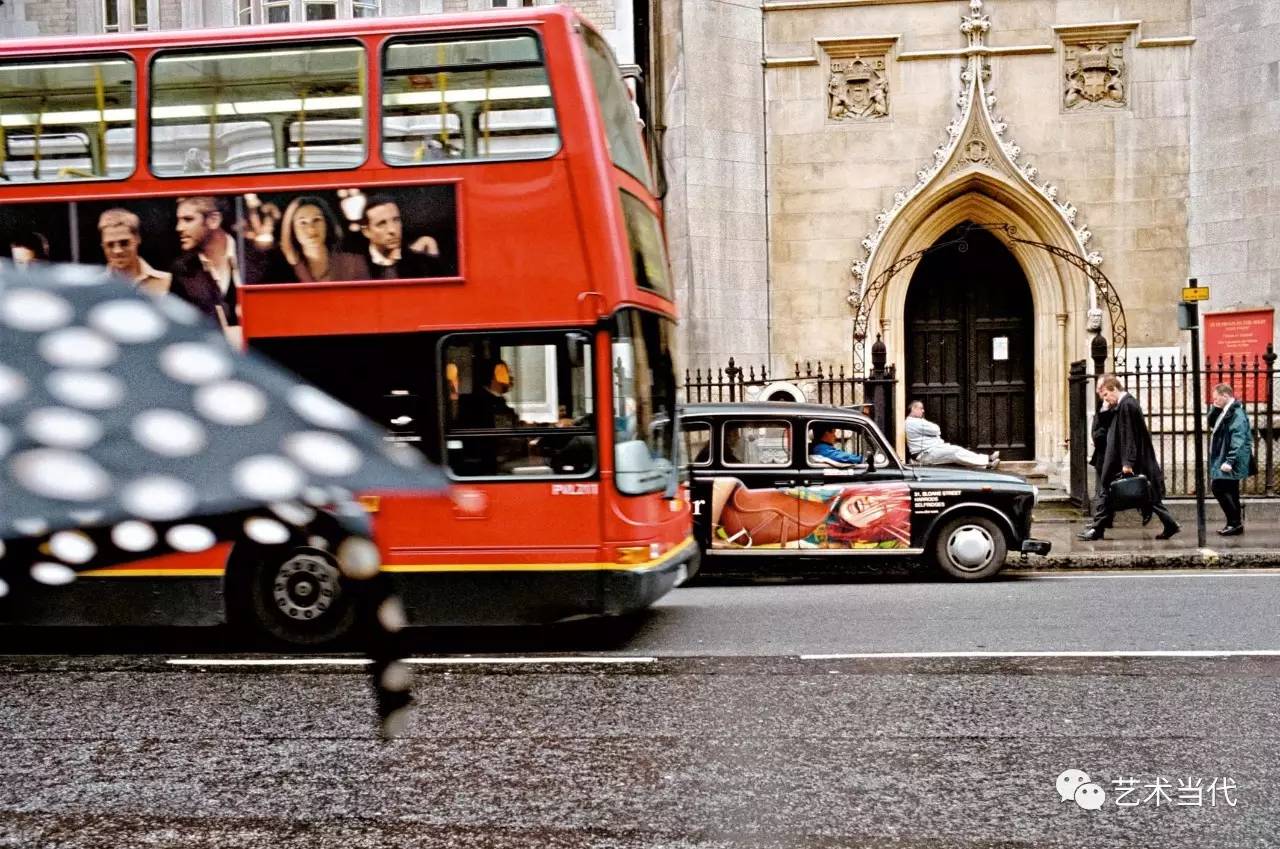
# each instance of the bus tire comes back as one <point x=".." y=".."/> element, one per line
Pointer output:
<point x="295" y="597"/>
<point x="970" y="548"/>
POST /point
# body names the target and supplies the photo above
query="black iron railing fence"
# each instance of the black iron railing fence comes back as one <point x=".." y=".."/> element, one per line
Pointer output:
<point x="1163" y="386"/>
<point x="824" y="384"/>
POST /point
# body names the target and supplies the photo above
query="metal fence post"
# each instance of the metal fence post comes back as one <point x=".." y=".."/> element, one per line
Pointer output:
<point x="1270" y="359"/>
<point x="1078" y="439"/>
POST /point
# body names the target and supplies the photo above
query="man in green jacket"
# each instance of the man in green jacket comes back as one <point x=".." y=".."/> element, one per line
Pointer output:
<point x="1230" y="450"/>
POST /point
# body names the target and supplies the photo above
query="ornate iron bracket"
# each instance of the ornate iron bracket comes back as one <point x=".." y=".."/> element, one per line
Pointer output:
<point x="1101" y="284"/>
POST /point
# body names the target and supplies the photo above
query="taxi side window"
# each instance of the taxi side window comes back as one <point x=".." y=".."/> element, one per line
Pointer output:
<point x="849" y="440"/>
<point x="758" y="443"/>
<point x="697" y="443"/>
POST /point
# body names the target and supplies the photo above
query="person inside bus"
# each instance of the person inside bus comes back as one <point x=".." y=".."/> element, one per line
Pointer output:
<point x="381" y="224"/>
<point x="310" y="240"/>
<point x="824" y="451"/>
<point x="486" y="407"/>
<point x="206" y="274"/>
<point x="121" y="236"/>
<point x="29" y="248"/>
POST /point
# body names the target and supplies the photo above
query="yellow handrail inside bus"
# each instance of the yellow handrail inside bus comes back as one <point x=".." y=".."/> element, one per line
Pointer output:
<point x="302" y="129"/>
<point x="484" y="107"/>
<point x="72" y="171"/>
<point x="99" y="167"/>
<point x="442" y="83"/>
<point x="4" y="144"/>
<point x="39" y="129"/>
<point x="213" y="136"/>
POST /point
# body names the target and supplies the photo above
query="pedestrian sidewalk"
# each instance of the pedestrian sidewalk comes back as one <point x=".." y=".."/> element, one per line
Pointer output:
<point x="1129" y="545"/>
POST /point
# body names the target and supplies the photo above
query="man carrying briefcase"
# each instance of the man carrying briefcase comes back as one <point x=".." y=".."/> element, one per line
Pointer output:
<point x="1128" y="453"/>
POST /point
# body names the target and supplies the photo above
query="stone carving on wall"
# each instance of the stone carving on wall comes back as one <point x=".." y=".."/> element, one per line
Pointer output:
<point x="977" y="122"/>
<point x="1095" y="75"/>
<point x="858" y="88"/>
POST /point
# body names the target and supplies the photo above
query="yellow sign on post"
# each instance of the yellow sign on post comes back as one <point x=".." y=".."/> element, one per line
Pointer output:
<point x="1195" y="293"/>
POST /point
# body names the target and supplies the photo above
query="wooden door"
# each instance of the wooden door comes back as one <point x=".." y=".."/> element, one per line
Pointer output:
<point x="971" y="346"/>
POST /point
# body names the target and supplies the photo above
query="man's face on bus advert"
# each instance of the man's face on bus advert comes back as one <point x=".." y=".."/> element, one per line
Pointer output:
<point x="193" y="228"/>
<point x="383" y="229"/>
<point x="120" y="247"/>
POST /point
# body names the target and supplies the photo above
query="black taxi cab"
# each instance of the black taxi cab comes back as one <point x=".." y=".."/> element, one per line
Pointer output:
<point x="785" y="479"/>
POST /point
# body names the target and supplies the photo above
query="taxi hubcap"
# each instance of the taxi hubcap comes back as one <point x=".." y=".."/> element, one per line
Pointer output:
<point x="305" y="587"/>
<point x="970" y="547"/>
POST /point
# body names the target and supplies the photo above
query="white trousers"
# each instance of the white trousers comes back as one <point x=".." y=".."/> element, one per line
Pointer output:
<point x="947" y="454"/>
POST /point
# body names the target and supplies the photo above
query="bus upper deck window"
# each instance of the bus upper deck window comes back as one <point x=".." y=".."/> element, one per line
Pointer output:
<point x="621" y="117"/>
<point x="69" y="119"/>
<point x="482" y="97"/>
<point x="237" y="110"/>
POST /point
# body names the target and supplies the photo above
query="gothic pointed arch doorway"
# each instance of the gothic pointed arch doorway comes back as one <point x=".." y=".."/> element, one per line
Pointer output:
<point x="970" y="352"/>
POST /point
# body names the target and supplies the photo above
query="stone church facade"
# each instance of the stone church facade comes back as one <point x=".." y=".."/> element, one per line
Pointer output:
<point x="1091" y="156"/>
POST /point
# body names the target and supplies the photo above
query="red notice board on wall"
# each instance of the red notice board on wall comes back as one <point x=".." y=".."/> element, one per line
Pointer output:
<point x="1244" y="335"/>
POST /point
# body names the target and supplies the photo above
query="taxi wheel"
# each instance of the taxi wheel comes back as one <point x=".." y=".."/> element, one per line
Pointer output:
<point x="970" y="548"/>
<point x="299" y="599"/>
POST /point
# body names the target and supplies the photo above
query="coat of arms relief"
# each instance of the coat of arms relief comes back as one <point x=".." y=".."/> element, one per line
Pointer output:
<point x="858" y="88"/>
<point x="1095" y="75"/>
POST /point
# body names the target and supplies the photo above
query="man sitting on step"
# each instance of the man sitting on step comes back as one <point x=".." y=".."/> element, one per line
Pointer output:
<point x="927" y="448"/>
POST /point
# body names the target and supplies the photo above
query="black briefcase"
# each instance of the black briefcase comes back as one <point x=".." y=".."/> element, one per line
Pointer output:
<point x="1131" y="493"/>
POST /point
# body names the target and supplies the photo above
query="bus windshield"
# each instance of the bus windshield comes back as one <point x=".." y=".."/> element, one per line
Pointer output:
<point x="621" y="120"/>
<point x="644" y="396"/>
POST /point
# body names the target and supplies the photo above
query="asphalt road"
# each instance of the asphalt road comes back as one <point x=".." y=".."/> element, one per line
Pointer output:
<point x="723" y="718"/>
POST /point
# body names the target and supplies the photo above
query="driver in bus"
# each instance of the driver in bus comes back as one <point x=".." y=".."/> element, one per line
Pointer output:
<point x="381" y="224"/>
<point x="486" y="406"/>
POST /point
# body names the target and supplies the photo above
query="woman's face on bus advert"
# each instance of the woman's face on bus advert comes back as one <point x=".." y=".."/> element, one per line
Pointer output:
<point x="309" y="226"/>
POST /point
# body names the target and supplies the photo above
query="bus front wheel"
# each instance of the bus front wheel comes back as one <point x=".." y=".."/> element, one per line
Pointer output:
<point x="298" y="598"/>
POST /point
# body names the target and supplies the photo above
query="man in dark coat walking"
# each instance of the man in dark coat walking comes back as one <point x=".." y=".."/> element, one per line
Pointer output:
<point x="1128" y="451"/>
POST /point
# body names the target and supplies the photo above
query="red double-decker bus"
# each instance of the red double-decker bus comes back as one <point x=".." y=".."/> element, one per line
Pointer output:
<point x="447" y="222"/>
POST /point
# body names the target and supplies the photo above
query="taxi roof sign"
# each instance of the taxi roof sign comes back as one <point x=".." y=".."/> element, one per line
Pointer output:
<point x="1195" y="293"/>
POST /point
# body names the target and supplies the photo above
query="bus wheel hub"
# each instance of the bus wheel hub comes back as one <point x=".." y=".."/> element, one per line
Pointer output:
<point x="305" y="587"/>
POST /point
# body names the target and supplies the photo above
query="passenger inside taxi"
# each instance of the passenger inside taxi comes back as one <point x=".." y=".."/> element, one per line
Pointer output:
<point x="823" y="450"/>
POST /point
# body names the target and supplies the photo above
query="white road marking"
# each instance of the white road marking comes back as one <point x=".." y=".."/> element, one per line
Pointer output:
<point x="1144" y="573"/>
<point x="427" y="661"/>
<point x="976" y="654"/>
<point x="269" y="661"/>
<point x="442" y="661"/>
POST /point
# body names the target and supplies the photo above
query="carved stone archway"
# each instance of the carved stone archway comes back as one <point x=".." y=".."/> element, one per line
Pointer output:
<point x="978" y="175"/>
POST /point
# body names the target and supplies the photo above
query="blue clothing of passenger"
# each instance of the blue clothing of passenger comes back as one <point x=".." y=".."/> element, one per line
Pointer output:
<point x="828" y="451"/>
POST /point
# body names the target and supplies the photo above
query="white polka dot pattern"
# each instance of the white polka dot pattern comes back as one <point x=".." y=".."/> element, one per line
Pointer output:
<point x="267" y="478"/>
<point x="34" y="310"/>
<point x="169" y="433"/>
<point x="190" y="538"/>
<point x="12" y="385"/>
<point x="323" y="453"/>
<point x="52" y="574"/>
<point x="72" y="547"/>
<point x="321" y="410"/>
<point x="129" y="429"/>
<point x="265" y="531"/>
<point x="231" y="402"/>
<point x="77" y="347"/>
<point x="158" y="497"/>
<point x="89" y="390"/>
<point x="195" y="362"/>
<point x="127" y="321"/>
<point x="134" y="536"/>
<point x="61" y="475"/>
<point x="59" y="427"/>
